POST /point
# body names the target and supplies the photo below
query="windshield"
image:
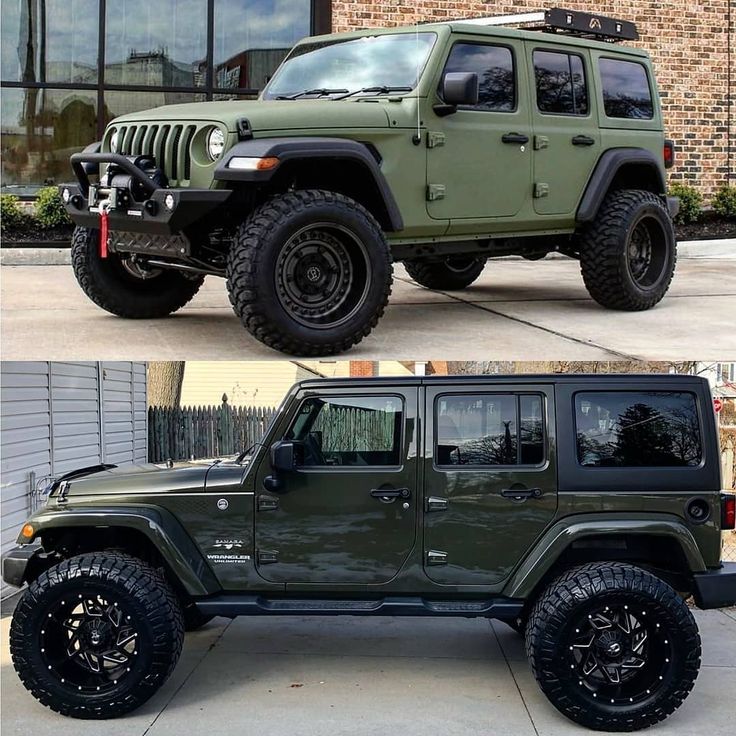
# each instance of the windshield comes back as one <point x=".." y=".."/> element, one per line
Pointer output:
<point x="349" y="65"/>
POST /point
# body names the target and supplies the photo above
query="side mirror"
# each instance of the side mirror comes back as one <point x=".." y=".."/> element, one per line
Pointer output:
<point x="283" y="457"/>
<point x="460" y="88"/>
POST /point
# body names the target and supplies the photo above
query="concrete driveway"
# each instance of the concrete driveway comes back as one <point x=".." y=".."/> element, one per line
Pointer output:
<point x="516" y="311"/>
<point x="288" y="676"/>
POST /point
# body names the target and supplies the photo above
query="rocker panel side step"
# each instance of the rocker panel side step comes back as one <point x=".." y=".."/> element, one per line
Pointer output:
<point x="231" y="606"/>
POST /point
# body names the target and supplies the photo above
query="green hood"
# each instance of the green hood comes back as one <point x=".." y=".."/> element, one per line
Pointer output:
<point x="270" y="115"/>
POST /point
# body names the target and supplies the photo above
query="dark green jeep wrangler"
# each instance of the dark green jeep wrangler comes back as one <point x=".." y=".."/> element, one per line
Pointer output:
<point x="439" y="145"/>
<point x="581" y="510"/>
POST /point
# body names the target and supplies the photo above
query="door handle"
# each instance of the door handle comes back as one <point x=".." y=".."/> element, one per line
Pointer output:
<point x="382" y="493"/>
<point x="521" y="494"/>
<point x="583" y="140"/>
<point x="518" y="138"/>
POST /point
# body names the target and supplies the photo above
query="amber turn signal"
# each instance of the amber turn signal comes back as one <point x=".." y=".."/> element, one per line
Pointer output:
<point x="27" y="531"/>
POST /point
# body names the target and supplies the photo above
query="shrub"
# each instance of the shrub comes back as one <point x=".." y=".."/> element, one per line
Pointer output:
<point x="691" y="203"/>
<point x="50" y="210"/>
<point x="11" y="214"/>
<point x="724" y="203"/>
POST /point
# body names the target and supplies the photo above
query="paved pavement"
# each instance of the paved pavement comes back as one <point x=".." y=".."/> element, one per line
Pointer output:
<point x="289" y="676"/>
<point x="517" y="311"/>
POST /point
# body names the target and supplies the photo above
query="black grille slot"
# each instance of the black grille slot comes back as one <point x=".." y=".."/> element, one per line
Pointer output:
<point x="186" y="145"/>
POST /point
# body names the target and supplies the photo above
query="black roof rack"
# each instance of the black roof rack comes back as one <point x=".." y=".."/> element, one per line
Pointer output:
<point x="559" y="20"/>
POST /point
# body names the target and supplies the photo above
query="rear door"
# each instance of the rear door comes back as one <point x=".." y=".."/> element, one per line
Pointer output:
<point x="329" y="523"/>
<point x="567" y="141"/>
<point x="490" y="478"/>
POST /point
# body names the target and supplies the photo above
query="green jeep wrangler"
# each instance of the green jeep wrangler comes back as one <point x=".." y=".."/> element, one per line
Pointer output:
<point x="581" y="510"/>
<point x="439" y="145"/>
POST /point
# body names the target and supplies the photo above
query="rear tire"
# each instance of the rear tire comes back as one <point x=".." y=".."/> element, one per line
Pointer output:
<point x="613" y="647"/>
<point x="309" y="273"/>
<point x="96" y="635"/>
<point x="451" y="274"/>
<point x="628" y="254"/>
<point x="123" y="290"/>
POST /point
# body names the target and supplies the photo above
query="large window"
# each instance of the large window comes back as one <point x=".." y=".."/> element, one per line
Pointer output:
<point x="560" y="82"/>
<point x="489" y="429"/>
<point x="637" y="429"/>
<point x="626" y="92"/>
<point x="349" y="431"/>
<point x="494" y="66"/>
<point x="60" y="90"/>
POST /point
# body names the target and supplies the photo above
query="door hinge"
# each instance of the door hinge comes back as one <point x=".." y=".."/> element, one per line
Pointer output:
<point x="435" y="192"/>
<point x="265" y="557"/>
<point x="540" y="142"/>
<point x="267" y="503"/>
<point x="435" y="557"/>
<point x="435" y="139"/>
<point x="436" y="503"/>
<point x="541" y="190"/>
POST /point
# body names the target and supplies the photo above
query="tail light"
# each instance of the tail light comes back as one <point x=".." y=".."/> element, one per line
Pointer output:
<point x="728" y="511"/>
<point x="669" y="154"/>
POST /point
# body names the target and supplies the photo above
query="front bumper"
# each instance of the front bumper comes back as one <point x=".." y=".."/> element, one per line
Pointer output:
<point x="15" y="563"/>
<point x="716" y="588"/>
<point x="131" y="214"/>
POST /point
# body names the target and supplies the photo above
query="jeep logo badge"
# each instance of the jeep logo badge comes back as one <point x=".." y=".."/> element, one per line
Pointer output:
<point x="222" y="504"/>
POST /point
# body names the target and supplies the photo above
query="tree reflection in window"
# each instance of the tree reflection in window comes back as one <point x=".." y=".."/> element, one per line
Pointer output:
<point x="560" y="81"/>
<point x="637" y="429"/>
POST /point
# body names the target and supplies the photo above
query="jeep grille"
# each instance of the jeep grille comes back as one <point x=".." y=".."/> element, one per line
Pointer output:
<point x="169" y="144"/>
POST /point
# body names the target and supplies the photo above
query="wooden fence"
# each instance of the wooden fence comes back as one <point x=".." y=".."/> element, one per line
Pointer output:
<point x="184" y="433"/>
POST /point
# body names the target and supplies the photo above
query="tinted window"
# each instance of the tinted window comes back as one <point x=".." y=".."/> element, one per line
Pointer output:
<point x="494" y="66"/>
<point x="626" y="92"/>
<point x="637" y="429"/>
<point x="349" y="431"/>
<point x="489" y="429"/>
<point x="560" y="80"/>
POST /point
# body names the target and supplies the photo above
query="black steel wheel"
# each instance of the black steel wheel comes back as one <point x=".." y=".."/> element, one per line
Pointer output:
<point x="309" y="273"/>
<point x="96" y="635"/>
<point x="628" y="254"/>
<point x="613" y="647"/>
<point x="451" y="273"/>
<point x="124" y="285"/>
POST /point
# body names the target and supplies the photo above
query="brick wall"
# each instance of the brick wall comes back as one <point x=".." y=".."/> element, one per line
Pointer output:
<point x="362" y="368"/>
<point x="689" y="44"/>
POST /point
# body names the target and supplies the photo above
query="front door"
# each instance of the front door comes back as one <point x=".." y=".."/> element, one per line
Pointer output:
<point x="567" y="141"/>
<point x="490" y="479"/>
<point x="347" y="512"/>
<point x="479" y="159"/>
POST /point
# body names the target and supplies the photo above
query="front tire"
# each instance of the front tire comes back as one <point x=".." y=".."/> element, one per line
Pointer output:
<point x="309" y="273"/>
<point x="628" y="254"/>
<point x="119" y="286"/>
<point x="613" y="647"/>
<point x="450" y="274"/>
<point x="96" y="636"/>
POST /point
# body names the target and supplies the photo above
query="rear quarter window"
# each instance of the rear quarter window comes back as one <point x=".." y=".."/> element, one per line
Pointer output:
<point x="615" y="429"/>
<point x="626" y="90"/>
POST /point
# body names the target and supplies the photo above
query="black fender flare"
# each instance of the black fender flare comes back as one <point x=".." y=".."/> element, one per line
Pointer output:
<point x="301" y="148"/>
<point x="608" y="166"/>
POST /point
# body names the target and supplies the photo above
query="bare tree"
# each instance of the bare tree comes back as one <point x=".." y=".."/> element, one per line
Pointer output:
<point x="165" y="379"/>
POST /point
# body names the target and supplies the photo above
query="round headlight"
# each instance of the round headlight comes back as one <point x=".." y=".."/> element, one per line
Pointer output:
<point x="115" y="141"/>
<point x="215" y="143"/>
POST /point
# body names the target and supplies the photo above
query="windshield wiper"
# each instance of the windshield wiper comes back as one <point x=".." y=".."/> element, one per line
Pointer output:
<point x="246" y="452"/>
<point x="322" y="91"/>
<point x="381" y="89"/>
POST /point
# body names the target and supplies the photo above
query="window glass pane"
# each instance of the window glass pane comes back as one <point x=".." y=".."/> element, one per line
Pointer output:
<point x="560" y="80"/>
<point x="637" y="429"/>
<point x="494" y="66"/>
<point x="252" y="37"/>
<point x="49" y="41"/>
<point x="476" y="430"/>
<point x="121" y="103"/>
<point x="40" y="131"/>
<point x="626" y="92"/>
<point x="349" y="431"/>
<point x="394" y="60"/>
<point x="532" y="430"/>
<point x="162" y="43"/>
